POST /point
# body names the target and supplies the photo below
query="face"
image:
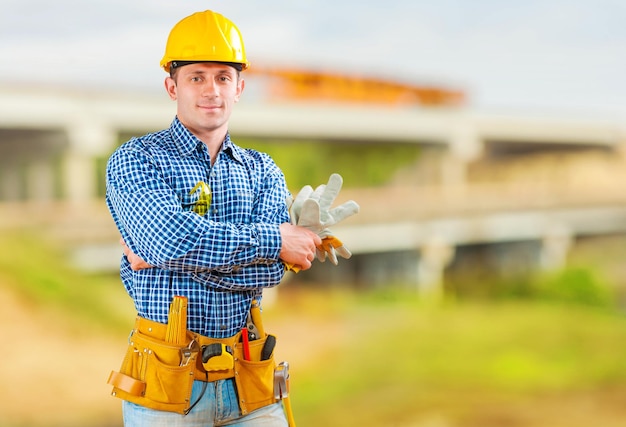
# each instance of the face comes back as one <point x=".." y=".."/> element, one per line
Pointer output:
<point x="205" y="94"/>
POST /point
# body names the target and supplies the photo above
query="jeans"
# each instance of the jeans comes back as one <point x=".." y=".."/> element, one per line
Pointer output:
<point x="218" y="406"/>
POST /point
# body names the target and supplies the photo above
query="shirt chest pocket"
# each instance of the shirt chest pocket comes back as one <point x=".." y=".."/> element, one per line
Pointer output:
<point x="189" y="201"/>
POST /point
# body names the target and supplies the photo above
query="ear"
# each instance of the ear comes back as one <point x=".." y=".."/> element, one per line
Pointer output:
<point x="170" y="87"/>
<point x="240" y="85"/>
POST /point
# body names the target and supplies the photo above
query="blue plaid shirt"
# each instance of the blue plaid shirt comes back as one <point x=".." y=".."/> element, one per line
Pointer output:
<point x="220" y="261"/>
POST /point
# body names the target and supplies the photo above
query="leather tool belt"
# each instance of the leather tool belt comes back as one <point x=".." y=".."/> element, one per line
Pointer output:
<point x="159" y="375"/>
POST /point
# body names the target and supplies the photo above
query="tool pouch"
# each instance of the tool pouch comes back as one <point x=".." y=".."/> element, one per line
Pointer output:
<point x="255" y="377"/>
<point x="151" y="374"/>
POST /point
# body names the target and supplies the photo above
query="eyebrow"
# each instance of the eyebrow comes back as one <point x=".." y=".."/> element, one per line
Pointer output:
<point x="218" y="72"/>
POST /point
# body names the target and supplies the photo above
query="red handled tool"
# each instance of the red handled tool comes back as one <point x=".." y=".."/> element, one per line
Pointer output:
<point x="246" y="344"/>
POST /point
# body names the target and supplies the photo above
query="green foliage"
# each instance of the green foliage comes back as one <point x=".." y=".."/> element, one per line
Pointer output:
<point x="312" y="162"/>
<point x="40" y="272"/>
<point x="361" y="165"/>
<point x="571" y="285"/>
<point x="399" y="355"/>
<point x="100" y="165"/>
<point x="389" y="351"/>
<point x="575" y="285"/>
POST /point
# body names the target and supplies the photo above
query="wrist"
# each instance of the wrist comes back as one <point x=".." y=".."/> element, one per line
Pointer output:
<point x="270" y="241"/>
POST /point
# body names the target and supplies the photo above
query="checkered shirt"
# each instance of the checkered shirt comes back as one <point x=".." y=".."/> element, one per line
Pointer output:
<point x="220" y="261"/>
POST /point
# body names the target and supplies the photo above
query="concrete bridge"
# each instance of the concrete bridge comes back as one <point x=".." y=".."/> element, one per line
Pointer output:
<point x="500" y="178"/>
<point x="50" y="137"/>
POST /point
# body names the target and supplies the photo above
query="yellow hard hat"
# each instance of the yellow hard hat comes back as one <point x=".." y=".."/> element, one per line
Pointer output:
<point x="204" y="36"/>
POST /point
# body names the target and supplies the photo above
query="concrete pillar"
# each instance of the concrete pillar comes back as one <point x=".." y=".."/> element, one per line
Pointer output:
<point x="436" y="255"/>
<point x="465" y="146"/>
<point x="79" y="177"/>
<point x="40" y="181"/>
<point x="87" y="140"/>
<point x="87" y="135"/>
<point x="556" y="244"/>
<point x="11" y="182"/>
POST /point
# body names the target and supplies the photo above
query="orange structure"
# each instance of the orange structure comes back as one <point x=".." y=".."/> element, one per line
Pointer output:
<point x="295" y="84"/>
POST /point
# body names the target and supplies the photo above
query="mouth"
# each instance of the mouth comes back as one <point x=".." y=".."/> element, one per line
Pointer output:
<point x="209" y="107"/>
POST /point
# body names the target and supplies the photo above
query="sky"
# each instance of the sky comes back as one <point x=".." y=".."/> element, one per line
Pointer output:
<point x="536" y="56"/>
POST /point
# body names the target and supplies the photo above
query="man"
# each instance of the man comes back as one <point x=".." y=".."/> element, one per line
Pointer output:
<point x="201" y="218"/>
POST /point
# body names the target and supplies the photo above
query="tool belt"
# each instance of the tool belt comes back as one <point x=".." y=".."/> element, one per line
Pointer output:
<point x="159" y="375"/>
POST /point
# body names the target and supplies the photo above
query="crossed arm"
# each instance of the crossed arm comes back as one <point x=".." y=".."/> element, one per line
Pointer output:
<point x="297" y="247"/>
<point x="156" y="231"/>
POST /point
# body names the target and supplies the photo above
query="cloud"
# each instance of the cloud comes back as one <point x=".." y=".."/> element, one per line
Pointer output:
<point x="531" y="54"/>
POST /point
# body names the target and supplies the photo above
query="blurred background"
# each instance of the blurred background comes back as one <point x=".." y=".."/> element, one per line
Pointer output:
<point x="485" y="143"/>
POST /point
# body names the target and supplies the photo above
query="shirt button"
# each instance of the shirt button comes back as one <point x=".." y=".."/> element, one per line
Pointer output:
<point x="215" y="210"/>
<point x="223" y="327"/>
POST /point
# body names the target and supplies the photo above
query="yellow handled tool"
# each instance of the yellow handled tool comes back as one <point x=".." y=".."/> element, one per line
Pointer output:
<point x="255" y="314"/>
<point x="281" y="390"/>
<point x="217" y="357"/>
<point x="176" y="332"/>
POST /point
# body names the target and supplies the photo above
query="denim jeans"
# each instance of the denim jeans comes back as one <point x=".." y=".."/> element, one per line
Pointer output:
<point x="218" y="406"/>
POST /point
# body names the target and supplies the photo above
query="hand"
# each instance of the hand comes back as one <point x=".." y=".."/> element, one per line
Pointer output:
<point x="136" y="263"/>
<point x="298" y="246"/>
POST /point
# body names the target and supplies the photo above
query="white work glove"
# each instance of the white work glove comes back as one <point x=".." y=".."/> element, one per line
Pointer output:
<point x="331" y="246"/>
<point x="312" y="209"/>
<point x="321" y="216"/>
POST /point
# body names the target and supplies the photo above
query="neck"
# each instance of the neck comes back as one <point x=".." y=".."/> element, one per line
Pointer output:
<point x="213" y="142"/>
<point x="213" y="139"/>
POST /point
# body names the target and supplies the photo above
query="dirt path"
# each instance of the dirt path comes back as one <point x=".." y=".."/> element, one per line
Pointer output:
<point x="53" y="374"/>
<point x="63" y="369"/>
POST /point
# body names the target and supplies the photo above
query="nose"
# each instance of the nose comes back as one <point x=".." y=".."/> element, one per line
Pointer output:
<point x="210" y="89"/>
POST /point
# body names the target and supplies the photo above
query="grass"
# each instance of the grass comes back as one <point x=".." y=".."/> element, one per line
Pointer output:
<point x="401" y="356"/>
<point x="39" y="272"/>
<point x="397" y="360"/>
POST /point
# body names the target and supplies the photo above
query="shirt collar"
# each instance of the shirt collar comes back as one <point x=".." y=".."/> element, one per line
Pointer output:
<point x="186" y="142"/>
<point x="233" y="149"/>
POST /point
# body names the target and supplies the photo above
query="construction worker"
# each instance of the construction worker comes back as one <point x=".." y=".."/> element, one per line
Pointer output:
<point x="203" y="218"/>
